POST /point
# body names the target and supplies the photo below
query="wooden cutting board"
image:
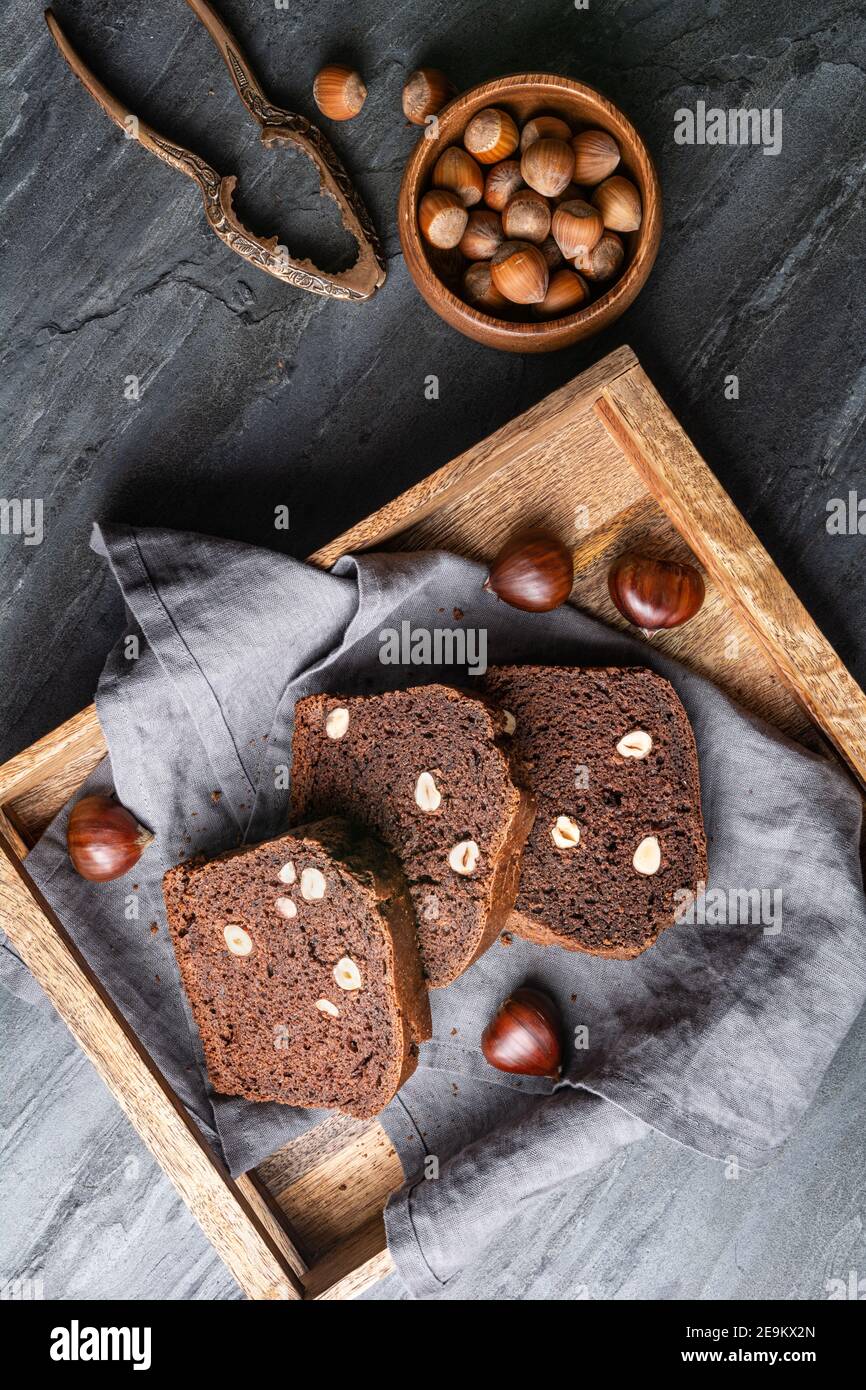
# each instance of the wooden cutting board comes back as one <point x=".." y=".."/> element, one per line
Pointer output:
<point x="605" y="463"/>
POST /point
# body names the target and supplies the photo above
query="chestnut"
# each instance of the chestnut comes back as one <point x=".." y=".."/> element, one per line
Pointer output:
<point x="524" y="1036"/>
<point x="103" y="839"/>
<point x="533" y="571"/>
<point x="655" y="594"/>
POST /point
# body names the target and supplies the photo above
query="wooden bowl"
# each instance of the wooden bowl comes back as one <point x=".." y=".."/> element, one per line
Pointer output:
<point x="526" y="95"/>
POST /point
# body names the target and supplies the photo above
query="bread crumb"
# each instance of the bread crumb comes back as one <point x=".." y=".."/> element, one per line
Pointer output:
<point x="506" y="939"/>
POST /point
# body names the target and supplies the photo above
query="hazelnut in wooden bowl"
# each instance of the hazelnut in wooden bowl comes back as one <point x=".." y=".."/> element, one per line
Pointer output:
<point x="522" y="133"/>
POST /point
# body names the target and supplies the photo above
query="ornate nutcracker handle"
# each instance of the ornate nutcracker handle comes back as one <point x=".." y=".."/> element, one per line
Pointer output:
<point x="357" y="283"/>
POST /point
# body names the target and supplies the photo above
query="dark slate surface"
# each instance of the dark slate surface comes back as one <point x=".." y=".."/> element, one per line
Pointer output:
<point x="252" y="396"/>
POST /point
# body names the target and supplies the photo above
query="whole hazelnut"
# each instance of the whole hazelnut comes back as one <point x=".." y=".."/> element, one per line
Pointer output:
<point x="483" y="235"/>
<point x="425" y="92"/>
<point x="480" y="291"/>
<point x="339" y="92"/>
<point x="544" y="128"/>
<point x="577" y="226"/>
<point x="526" y="217"/>
<point x="619" y="203"/>
<point x="442" y="217"/>
<point x="520" y="272"/>
<point x="548" y="166"/>
<point x="602" y="261"/>
<point x="491" y="135"/>
<point x="456" y="170"/>
<point x="566" y="293"/>
<point x="502" y="183"/>
<point x="596" y="155"/>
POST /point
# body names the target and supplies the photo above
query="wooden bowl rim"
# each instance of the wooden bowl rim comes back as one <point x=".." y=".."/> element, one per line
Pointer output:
<point x="609" y="306"/>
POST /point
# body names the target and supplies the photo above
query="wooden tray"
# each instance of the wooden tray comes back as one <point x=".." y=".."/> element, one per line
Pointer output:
<point x="606" y="462"/>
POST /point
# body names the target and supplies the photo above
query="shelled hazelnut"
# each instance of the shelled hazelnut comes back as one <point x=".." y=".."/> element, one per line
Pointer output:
<point x="527" y="222"/>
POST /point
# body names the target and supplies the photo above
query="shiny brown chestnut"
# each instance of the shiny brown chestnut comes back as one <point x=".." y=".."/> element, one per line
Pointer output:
<point x="655" y="594"/>
<point x="103" y="839"/>
<point x="524" y="1036"/>
<point x="533" y="571"/>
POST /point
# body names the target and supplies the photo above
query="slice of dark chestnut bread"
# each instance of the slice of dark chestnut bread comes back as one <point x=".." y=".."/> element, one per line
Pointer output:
<point x="300" y="961"/>
<point x="610" y="755"/>
<point x="425" y="770"/>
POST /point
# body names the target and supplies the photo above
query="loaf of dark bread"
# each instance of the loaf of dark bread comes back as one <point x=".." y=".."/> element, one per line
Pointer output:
<point x="424" y="769"/>
<point x="611" y="758"/>
<point x="300" y="961"/>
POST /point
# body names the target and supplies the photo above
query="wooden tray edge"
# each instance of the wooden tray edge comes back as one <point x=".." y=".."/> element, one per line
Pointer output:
<point x="680" y="481"/>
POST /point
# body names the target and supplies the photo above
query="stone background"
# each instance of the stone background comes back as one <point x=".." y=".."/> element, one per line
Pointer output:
<point x="253" y="395"/>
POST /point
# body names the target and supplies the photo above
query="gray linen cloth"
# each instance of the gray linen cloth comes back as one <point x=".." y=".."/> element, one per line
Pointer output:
<point x="717" y="1037"/>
